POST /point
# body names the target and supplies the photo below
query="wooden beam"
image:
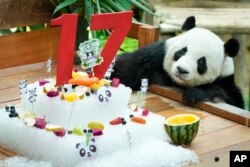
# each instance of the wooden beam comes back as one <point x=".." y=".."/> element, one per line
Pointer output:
<point x="228" y="20"/>
<point x="28" y="47"/>
<point x="15" y="13"/>
<point x="206" y="4"/>
<point x="221" y="109"/>
<point x="145" y="33"/>
<point x="7" y="152"/>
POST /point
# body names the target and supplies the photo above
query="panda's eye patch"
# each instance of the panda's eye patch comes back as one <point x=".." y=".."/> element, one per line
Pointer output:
<point x="92" y="148"/>
<point x="82" y="152"/>
<point x="178" y="54"/>
<point x="108" y="93"/>
<point x="202" y="65"/>
<point x="101" y="98"/>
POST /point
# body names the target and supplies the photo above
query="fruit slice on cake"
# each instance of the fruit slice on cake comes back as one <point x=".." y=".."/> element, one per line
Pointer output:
<point x="182" y="128"/>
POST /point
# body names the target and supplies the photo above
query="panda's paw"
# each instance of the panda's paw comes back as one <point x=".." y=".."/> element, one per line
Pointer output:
<point x="194" y="95"/>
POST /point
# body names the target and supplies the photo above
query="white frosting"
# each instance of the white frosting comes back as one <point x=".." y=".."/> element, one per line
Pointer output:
<point x="119" y="145"/>
<point x="57" y="111"/>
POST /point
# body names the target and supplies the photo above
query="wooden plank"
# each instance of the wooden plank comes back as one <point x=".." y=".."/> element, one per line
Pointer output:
<point x="156" y="104"/>
<point x="206" y="4"/>
<point x="24" y="12"/>
<point x="208" y="125"/>
<point x="228" y="20"/>
<point x="21" y="69"/>
<point x="221" y="109"/>
<point x="29" y="47"/>
<point x="145" y="33"/>
<point x="12" y="102"/>
<point x="12" y="80"/>
<point x="223" y="154"/>
<point x="192" y="109"/>
<point x="220" y="139"/>
<point x="10" y="94"/>
<point x="7" y="153"/>
<point x="133" y="32"/>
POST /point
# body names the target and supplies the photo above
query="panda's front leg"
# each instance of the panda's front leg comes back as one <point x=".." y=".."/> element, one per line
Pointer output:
<point x="194" y="95"/>
<point x="198" y="94"/>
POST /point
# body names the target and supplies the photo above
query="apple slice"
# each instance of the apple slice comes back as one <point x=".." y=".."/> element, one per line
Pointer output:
<point x="96" y="125"/>
<point x="78" y="131"/>
<point x="48" y="87"/>
<point x="29" y="121"/>
<point x="26" y="114"/>
<point x="50" y="127"/>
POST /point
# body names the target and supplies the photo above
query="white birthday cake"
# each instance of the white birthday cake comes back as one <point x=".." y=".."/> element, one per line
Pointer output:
<point x="87" y="122"/>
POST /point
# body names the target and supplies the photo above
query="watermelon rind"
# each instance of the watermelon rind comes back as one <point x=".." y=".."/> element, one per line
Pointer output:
<point x="182" y="134"/>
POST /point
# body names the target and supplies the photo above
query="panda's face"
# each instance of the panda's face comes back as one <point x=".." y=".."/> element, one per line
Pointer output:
<point x="87" y="151"/>
<point x="194" y="57"/>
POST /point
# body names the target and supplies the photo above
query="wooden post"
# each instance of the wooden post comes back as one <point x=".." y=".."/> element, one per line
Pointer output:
<point x="147" y="35"/>
<point x="240" y="64"/>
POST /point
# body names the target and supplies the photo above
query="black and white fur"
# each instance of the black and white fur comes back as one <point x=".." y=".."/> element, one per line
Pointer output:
<point x="196" y="60"/>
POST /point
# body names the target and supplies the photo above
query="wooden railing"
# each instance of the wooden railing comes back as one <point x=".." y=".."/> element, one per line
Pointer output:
<point x="37" y="46"/>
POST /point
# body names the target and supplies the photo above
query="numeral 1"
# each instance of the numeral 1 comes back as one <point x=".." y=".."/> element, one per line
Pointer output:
<point x="65" y="59"/>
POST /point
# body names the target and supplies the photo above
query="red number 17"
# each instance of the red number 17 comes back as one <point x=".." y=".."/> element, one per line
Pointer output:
<point x="120" y="24"/>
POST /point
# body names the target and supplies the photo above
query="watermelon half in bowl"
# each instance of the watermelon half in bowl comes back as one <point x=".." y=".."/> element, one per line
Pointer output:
<point x="182" y="128"/>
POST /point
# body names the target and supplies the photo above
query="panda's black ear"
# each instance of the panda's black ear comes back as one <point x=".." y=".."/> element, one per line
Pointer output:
<point x="188" y="24"/>
<point x="77" y="145"/>
<point x="232" y="47"/>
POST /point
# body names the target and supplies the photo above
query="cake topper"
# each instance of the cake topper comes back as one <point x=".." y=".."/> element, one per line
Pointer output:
<point x="32" y="95"/>
<point x="144" y="85"/>
<point x="89" y="54"/>
<point x="87" y="150"/>
<point x="104" y="94"/>
<point x="129" y="140"/>
<point x="48" y="66"/>
<point x="142" y="92"/>
<point x="110" y="69"/>
<point x="23" y="86"/>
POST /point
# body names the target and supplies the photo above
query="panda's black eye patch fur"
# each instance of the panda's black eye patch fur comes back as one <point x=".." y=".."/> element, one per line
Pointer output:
<point x="178" y="54"/>
<point x="202" y="65"/>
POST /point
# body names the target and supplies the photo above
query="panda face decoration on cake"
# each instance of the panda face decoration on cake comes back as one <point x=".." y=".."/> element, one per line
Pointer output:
<point x="87" y="151"/>
<point x="104" y="94"/>
<point x="197" y="56"/>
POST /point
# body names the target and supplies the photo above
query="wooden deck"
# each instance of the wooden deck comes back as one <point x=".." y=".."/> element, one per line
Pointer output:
<point x="216" y="136"/>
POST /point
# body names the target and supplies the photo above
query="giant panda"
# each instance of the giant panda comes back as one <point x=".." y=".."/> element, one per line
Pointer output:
<point x="197" y="61"/>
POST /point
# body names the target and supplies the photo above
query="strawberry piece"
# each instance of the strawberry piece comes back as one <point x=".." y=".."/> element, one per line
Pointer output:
<point x="115" y="82"/>
<point x="97" y="132"/>
<point x="145" y="112"/>
<point x="116" y="121"/>
<point x="43" y="82"/>
<point x="60" y="132"/>
<point x="40" y="123"/>
<point x="53" y="93"/>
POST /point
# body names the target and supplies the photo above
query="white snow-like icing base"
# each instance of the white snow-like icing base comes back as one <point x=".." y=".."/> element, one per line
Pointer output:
<point x="148" y="145"/>
<point x="132" y="144"/>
